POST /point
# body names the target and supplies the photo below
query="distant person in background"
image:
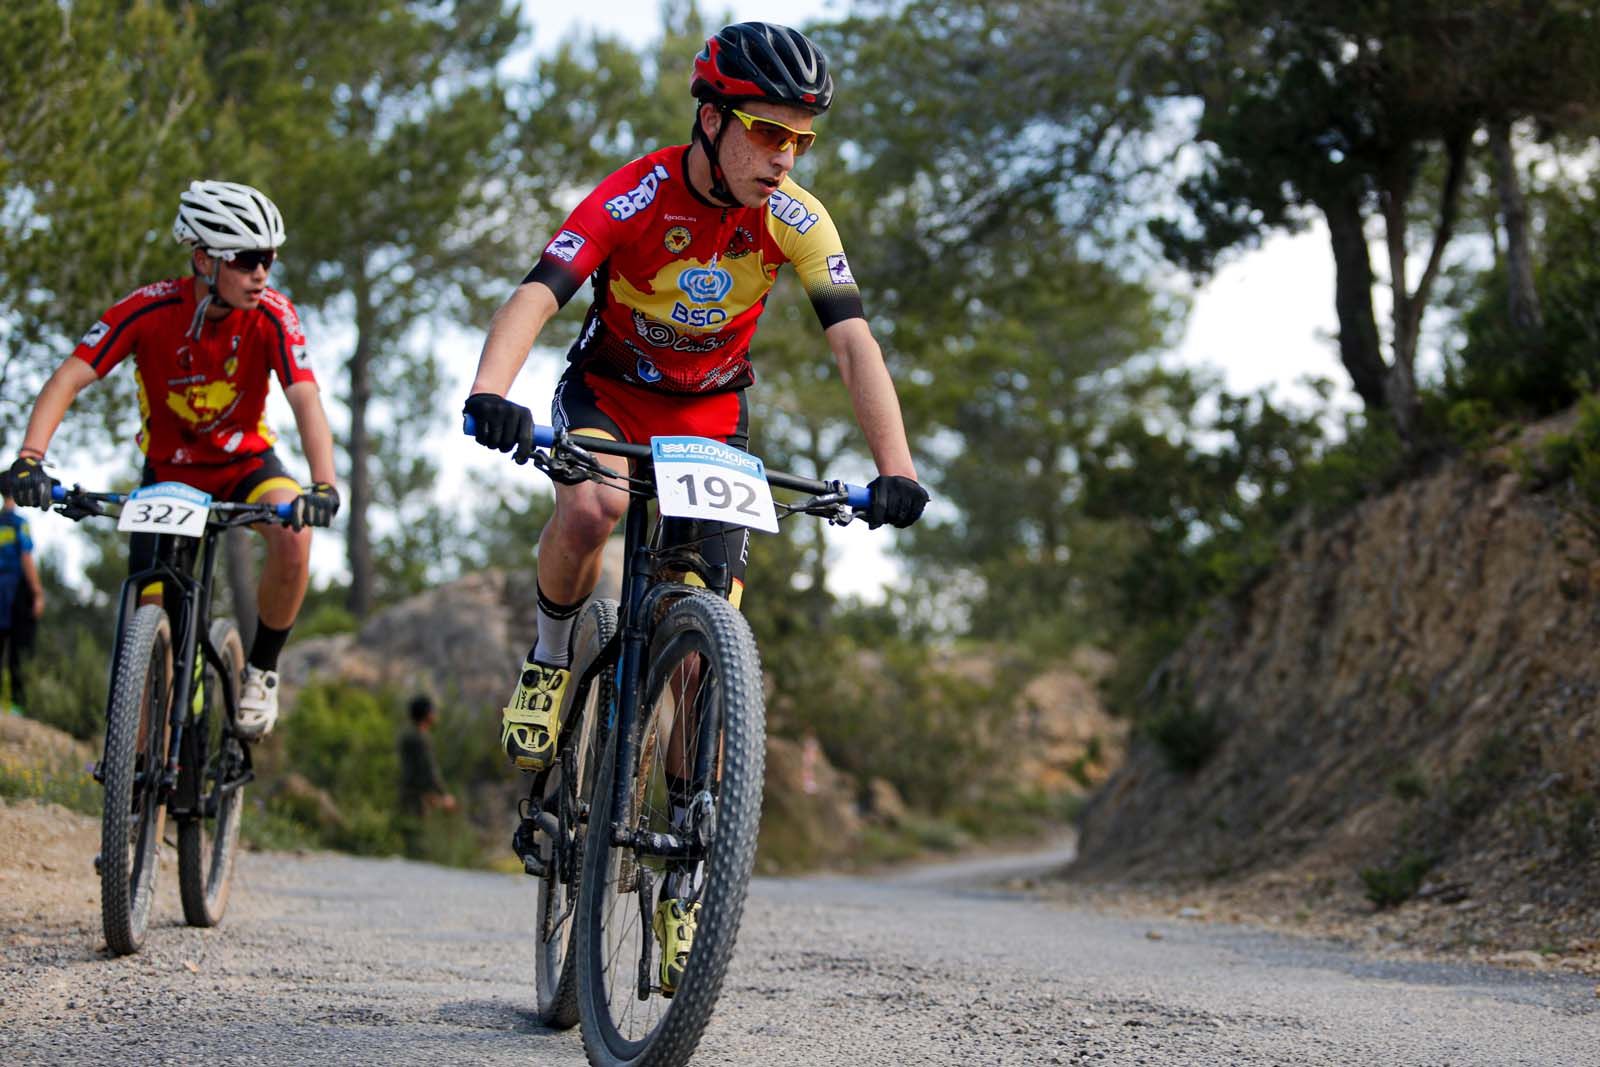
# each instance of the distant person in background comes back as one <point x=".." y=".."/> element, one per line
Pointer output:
<point x="421" y="785"/>
<point x="21" y="599"/>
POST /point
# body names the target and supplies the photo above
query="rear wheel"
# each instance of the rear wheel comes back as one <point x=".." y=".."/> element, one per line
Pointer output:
<point x="568" y="789"/>
<point x="137" y="722"/>
<point x="696" y="780"/>
<point x="208" y="842"/>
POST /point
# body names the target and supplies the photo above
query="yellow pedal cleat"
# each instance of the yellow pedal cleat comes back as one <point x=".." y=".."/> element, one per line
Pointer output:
<point x="530" y="725"/>
<point x="674" y="925"/>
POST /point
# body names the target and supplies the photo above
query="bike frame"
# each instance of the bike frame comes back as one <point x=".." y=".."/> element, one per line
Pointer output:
<point x="187" y="601"/>
<point x="641" y="595"/>
<point x="180" y="785"/>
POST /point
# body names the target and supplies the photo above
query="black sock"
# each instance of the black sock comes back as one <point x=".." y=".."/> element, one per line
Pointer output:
<point x="268" y="643"/>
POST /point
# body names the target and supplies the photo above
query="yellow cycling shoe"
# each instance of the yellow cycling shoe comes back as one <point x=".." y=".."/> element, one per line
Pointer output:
<point x="674" y="928"/>
<point x="530" y="725"/>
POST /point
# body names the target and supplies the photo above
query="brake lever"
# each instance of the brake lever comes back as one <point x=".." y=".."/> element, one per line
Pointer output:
<point x="560" y="470"/>
<point x="78" y="510"/>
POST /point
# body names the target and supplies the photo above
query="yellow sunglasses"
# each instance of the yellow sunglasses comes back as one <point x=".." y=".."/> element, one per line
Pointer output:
<point x="774" y="136"/>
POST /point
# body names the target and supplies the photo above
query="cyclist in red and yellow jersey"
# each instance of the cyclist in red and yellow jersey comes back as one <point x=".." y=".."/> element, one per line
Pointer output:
<point x="683" y="246"/>
<point x="205" y="350"/>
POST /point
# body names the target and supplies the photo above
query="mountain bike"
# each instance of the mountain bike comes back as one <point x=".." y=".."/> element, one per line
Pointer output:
<point x="171" y="749"/>
<point x="655" y="791"/>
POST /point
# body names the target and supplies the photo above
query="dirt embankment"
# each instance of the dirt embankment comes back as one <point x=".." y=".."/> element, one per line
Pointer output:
<point x="1406" y="707"/>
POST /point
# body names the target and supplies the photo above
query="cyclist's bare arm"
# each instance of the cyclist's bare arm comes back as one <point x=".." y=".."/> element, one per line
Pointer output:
<point x="316" y="439"/>
<point x="512" y="332"/>
<point x="872" y="394"/>
<point x="54" y="400"/>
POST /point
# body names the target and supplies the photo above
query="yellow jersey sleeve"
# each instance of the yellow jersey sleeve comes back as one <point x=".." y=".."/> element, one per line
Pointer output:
<point x="808" y="238"/>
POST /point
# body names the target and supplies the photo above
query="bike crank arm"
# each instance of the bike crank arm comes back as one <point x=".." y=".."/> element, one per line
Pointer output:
<point x="647" y="941"/>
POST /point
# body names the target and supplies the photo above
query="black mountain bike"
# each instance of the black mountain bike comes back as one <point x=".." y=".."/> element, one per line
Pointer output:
<point x="171" y="749"/>
<point x="658" y="775"/>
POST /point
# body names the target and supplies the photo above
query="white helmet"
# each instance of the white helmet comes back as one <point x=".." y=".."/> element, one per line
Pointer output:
<point x="226" y="217"/>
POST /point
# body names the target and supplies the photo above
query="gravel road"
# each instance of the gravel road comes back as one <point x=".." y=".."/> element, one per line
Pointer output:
<point x="345" y="961"/>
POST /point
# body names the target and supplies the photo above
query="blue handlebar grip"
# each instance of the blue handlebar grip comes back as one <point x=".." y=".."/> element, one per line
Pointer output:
<point x="284" y="511"/>
<point x="543" y="436"/>
<point x="58" y="492"/>
<point x="858" y="496"/>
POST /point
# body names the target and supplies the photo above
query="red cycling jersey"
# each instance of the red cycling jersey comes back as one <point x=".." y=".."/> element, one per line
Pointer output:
<point x="679" y="282"/>
<point x="201" y="402"/>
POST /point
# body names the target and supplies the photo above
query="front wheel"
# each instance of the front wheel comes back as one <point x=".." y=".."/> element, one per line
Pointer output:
<point x="137" y="721"/>
<point x="568" y="790"/>
<point x="691" y="807"/>
<point x="208" y="840"/>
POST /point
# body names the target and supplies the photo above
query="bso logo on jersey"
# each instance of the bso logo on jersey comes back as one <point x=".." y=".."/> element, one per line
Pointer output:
<point x="702" y="285"/>
<point x="705" y="285"/>
<point x="699" y="318"/>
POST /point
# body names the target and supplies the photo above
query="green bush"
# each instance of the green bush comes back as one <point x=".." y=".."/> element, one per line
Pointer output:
<point x="1390" y="886"/>
<point x="67" y="679"/>
<point x="71" y="787"/>
<point x="1186" y="735"/>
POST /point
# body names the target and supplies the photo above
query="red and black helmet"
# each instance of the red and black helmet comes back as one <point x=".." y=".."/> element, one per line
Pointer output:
<point x="762" y="61"/>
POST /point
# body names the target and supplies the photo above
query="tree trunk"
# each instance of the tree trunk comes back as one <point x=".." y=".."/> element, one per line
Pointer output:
<point x="1409" y="305"/>
<point x="359" y="536"/>
<point x="242" y="582"/>
<point x="1358" y="325"/>
<point x="1521" y="296"/>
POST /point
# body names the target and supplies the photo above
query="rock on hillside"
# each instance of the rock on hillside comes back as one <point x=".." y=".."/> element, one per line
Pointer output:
<point x="1413" y="691"/>
<point x="462" y="640"/>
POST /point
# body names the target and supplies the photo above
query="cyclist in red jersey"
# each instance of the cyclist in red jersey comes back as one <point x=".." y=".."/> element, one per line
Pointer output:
<point x="683" y="246"/>
<point x="205" y="349"/>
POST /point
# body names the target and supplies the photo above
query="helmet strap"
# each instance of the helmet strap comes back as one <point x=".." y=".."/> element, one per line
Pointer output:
<point x="210" y="299"/>
<point x="719" y="180"/>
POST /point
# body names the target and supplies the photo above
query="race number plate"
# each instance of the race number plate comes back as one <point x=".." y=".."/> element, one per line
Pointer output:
<point x="698" y="478"/>
<point x="167" y="508"/>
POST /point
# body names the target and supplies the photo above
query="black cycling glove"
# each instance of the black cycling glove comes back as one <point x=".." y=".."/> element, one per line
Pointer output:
<point x="28" y="484"/>
<point x="501" y="424"/>
<point x="895" y="500"/>
<point x="316" y="507"/>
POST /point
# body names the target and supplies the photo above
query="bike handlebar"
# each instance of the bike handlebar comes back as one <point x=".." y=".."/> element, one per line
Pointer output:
<point x="856" y="496"/>
<point x="61" y="493"/>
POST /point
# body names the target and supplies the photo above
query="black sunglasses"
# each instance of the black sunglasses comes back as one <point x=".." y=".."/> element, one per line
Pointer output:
<point x="247" y="262"/>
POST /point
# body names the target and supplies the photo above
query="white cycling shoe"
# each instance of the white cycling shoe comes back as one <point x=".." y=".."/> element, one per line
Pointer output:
<point x="258" y="704"/>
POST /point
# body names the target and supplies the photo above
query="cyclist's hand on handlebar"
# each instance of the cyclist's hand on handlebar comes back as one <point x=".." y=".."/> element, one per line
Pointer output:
<point x="28" y="484"/>
<point x="315" y="507"/>
<point x="895" y="500"/>
<point x="501" y="424"/>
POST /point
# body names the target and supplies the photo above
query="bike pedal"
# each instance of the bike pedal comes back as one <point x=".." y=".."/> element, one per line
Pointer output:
<point x="97" y="772"/>
<point x="97" y="863"/>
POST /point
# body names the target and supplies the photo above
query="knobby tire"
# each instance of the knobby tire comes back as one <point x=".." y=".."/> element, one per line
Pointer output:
<point x="137" y="721"/>
<point x="208" y="841"/>
<point x="703" y="637"/>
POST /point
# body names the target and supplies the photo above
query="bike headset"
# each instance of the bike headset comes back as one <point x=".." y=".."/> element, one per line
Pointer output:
<point x="754" y="61"/>
<point x="224" y="218"/>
